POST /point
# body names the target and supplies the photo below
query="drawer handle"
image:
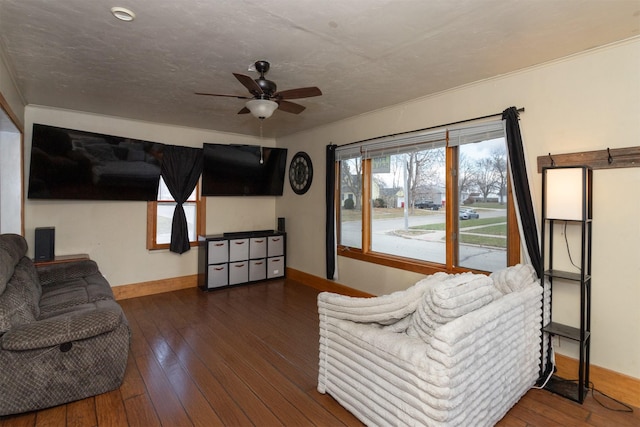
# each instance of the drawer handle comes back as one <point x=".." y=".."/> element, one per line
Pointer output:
<point x="275" y="239"/>
<point x="239" y="265"/>
<point x="259" y="241"/>
<point x="219" y="244"/>
<point x="259" y="263"/>
<point x="239" y="243"/>
<point x="218" y="268"/>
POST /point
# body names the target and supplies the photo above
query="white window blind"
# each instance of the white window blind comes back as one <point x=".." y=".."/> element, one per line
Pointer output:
<point x="422" y="140"/>
<point x="476" y="133"/>
<point x="394" y="144"/>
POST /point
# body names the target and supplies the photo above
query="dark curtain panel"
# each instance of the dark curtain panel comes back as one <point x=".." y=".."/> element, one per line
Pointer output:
<point x="181" y="169"/>
<point x="331" y="226"/>
<point x="521" y="186"/>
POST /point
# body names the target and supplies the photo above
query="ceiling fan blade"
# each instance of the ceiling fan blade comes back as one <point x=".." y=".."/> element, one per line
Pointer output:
<point x="249" y="83"/>
<point x="244" y="110"/>
<point x="302" y="92"/>
<point x="290" y="107"/>
<point x="219" y="94"/>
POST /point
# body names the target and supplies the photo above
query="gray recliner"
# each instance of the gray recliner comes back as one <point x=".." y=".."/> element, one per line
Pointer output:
<point x="63" y="337"/>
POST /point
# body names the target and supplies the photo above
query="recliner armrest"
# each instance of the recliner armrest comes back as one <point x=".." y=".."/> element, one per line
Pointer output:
<point x="52" y="273"/>
<point x="62" y="329"/>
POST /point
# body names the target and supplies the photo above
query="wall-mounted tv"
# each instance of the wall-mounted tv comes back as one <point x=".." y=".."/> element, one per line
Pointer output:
<point x="73" y="164"/>
<point x="243" y="170"/>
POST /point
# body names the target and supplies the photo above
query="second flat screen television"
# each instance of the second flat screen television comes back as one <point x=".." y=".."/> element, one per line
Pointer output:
<point x="243" y="170"/>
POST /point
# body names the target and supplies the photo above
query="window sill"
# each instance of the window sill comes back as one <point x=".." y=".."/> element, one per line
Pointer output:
<point x="165" y="246"/>
<point x="416" y="266"/>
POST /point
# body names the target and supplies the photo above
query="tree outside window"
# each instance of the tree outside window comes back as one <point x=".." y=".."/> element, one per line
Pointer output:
<point x="394" y="208"/>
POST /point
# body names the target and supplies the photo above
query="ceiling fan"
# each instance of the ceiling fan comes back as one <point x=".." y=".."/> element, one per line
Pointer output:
<point x="265" y="98"/>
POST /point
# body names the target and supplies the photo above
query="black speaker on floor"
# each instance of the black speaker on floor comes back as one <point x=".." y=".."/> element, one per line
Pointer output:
<point x="281" y="225"/>
<point x="45" y="243"/>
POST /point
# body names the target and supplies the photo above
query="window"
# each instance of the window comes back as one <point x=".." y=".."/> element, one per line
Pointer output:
<point x="160" y="217"/>
<point x="428" y="201"/>
<point x="408" y="182"/>
<point x="351" y="203"/>
<point x="482" y="196"/>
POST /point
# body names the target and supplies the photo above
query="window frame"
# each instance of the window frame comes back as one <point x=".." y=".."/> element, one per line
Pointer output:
<point x="420" y="266"/>
<point x="152" y="221"/>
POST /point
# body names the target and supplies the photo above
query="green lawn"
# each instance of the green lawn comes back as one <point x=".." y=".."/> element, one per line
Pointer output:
<point x="480" y="205"/>
<point x="476" y="236"/>
<point x="464" y="224"/>
<point x="475" y="239"/>
<point x="483" y="235"/>
<point x="495" y="230"/>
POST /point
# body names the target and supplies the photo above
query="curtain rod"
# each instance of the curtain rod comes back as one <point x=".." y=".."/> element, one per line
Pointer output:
<point x="520" y="110"/>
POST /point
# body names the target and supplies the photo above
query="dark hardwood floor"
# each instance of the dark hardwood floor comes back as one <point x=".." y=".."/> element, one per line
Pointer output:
<point x="248" y="356"/>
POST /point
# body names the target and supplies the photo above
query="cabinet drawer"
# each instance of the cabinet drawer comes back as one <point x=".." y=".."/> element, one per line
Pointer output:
<point x="218" y="251"/>
<point x="238" y="272"/>
<point x="258" y="247"/>
<point x="276" y="246"/>
<point x="275" y="267"/>
<point x="217" y="276"/>
<point x="238" y="249"/>
<point x="257" y="269"/>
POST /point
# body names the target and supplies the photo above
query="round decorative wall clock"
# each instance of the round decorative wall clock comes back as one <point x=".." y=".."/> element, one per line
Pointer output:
<point x="300" y="172"/>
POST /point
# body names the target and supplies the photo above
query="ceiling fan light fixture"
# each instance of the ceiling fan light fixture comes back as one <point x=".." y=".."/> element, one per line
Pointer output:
<point x="261" y="108"/>
<point x="123" y="13"/>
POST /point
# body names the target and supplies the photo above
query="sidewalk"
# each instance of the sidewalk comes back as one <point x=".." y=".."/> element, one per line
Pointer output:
<point x="439" y="235"/>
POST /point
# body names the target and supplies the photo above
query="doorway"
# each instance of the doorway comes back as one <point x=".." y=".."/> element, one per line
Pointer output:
<point x="11" y="187"/>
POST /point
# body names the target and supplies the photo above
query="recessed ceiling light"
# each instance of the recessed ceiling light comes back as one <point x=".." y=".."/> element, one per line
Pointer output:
<point x="123" y="14"/>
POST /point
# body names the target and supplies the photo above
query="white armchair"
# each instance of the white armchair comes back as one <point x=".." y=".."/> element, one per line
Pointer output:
<point x="452" y="350"/>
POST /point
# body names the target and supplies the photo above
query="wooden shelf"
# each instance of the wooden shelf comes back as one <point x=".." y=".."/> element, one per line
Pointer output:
<point x="628" y="157"/>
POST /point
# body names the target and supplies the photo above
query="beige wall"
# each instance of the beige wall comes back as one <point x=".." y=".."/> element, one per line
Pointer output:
<point x="114" y="232"/>
<point x="585" y="102"/>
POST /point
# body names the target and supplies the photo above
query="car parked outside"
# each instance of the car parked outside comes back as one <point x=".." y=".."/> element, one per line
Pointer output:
<point x="427" y="205"/>
<point x="468" y="213"/>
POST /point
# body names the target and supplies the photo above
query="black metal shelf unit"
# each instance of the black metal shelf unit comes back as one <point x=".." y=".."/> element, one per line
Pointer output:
<point x="582" y="226"/>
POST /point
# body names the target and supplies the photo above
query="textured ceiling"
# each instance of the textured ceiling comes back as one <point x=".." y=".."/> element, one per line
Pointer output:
<point x="362" y="54"/>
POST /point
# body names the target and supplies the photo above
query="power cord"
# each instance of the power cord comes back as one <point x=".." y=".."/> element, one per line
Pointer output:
<point x="625" y="407"/>
<point x="551" y="371"/>
<point x="566" y="241"/>
<point x="544" y="384"/>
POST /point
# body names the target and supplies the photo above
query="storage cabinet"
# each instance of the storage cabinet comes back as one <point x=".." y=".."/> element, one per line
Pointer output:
<point x="567" y="226"/>
<point x="237" y="258"/>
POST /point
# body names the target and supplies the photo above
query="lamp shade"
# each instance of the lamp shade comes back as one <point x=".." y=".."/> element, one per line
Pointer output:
<point x="568" y="193"/>
<point x="261" y="108"/>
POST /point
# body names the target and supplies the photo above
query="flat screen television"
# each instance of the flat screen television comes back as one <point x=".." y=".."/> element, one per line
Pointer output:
<point x="74" y="164"/>
<point x="243" y="170"/>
